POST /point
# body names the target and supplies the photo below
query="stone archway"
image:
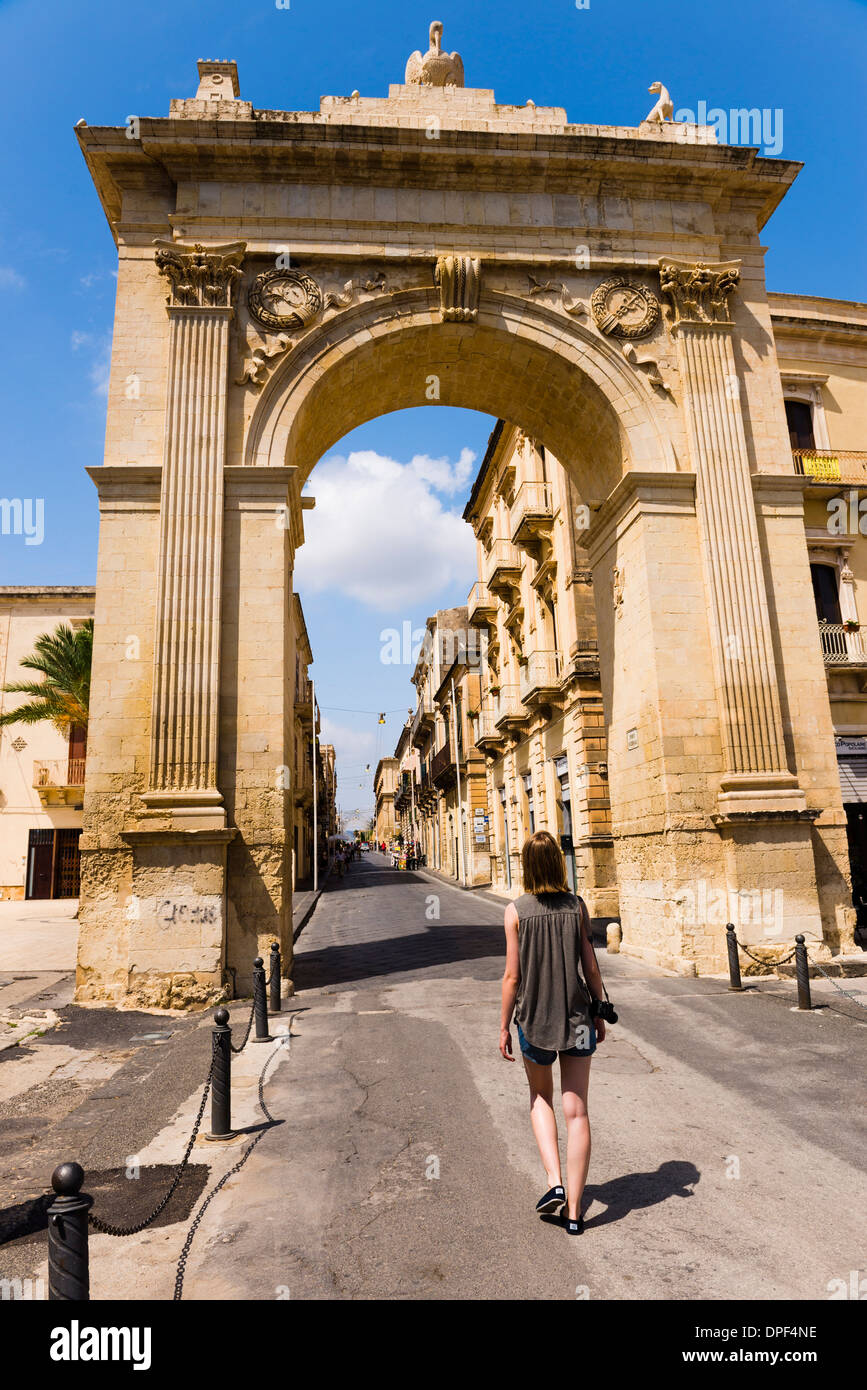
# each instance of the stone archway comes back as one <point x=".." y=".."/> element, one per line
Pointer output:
<point x="670" y="425"/>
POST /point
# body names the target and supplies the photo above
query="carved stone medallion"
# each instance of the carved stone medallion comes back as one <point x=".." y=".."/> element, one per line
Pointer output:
<point x="284" y="299"/>
<point x="624" y="310"/>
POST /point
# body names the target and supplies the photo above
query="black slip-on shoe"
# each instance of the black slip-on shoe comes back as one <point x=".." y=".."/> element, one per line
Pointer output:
<point x="551" y="1201"/>
<point x="574" y="1225"/>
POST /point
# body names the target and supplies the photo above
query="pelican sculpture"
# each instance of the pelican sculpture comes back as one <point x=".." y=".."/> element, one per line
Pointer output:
<point x="436" y="68"/>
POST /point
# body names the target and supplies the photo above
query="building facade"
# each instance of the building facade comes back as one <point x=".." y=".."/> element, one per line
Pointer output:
<point x="384" y="787"/>
<point x="41" y="772"/>
<point x="821" y="347"/>
<point x="539" y="718"/>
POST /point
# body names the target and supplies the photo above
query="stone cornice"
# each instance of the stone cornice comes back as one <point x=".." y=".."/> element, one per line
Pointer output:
<point x="642" y="492"/>
<point x="306" y="149"/>
<point x="131" y="483"/>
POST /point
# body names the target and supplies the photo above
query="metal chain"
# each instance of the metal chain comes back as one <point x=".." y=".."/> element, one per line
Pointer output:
<point x="845" y="992"/>
<point x="106" y="1227"/>
<point x="182" y="1261"/>
<point x="249" y="1026"/>
<point x="758" y="959"/>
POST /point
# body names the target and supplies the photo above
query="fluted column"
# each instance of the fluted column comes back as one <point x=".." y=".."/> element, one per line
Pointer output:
<point x="757" y="777"/>
<point x="184" y="721"/>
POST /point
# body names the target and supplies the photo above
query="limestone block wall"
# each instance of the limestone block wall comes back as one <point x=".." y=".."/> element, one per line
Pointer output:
<point x="257" y="754"/>
<point x="119" y="731"/>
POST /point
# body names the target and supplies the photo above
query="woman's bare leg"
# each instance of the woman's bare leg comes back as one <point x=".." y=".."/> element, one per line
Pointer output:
<point x="542" y="1117"/>
<point x="574" y="1084"/>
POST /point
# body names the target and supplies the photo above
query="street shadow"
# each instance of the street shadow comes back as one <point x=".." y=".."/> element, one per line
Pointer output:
<point x="635" y="1191"/>
<point x="437" y="947"/>
<point x="371" y="878"/>
<point x="116" y="1198"/>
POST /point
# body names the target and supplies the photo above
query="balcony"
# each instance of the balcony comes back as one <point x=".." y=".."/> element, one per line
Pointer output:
<point x="504" y="568"/>
<point x="59" y="782"/>
<point x="540" y="677"/>
<point x="486" y="734"/>
<point x="481" y="606"/>
<point x="304" y="700"/>
<point x="509" y="708"/>
<point x="442" y="766"/>
<point x="426" y="795"/>
<point x="842" y="646"/>
<point x="403" y="793"/>
<point x="824" y="466"/>
<point x="422" y="721"/>
<point x="531" y="515"/>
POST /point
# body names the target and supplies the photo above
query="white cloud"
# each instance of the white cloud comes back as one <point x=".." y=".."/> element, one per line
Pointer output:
<point x="380" y="535"/>
<point x="78" y="340"/>
<point x="10" y="279"/>
<point x="353" y="749"/>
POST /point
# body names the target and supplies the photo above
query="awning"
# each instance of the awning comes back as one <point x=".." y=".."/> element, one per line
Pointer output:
<point x="853" y="777"/>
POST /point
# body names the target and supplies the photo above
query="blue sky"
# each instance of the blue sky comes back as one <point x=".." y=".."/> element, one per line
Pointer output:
<point x="107" y="61"/>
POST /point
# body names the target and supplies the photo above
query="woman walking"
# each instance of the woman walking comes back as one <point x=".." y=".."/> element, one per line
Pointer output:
<point x="548" y="946"/>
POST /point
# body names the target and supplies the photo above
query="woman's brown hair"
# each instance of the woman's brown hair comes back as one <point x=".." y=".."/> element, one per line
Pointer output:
<point x="543" y="864"/>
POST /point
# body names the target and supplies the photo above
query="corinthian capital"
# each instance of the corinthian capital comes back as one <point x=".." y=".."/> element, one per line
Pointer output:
<point x="200" y="277"/>
<point x="698" y="292"/>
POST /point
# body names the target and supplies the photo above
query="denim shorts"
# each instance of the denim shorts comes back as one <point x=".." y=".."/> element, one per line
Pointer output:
<point x="543" y="1058"/>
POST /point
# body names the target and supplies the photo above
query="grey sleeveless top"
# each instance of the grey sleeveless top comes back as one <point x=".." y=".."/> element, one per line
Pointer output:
<point x="553" y="1000"/>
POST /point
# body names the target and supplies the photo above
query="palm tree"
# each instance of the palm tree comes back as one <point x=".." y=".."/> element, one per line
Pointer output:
<point x="63" y="659"/>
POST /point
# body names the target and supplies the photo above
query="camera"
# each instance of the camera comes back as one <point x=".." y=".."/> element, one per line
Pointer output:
<point x="604" y="1009"/>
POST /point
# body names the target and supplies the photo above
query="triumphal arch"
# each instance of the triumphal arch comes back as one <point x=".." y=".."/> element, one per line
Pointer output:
<point x="284" y="276"/>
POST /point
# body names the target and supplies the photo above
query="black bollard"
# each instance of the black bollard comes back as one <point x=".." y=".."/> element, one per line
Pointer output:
<point x="221" y="1080"/>
<point x="68" y="1268"/>
<point x="275" y="977"/>
<point x="802" y="967"/>
<point x="260" y="1002"/>
<point x="734" y="959"/>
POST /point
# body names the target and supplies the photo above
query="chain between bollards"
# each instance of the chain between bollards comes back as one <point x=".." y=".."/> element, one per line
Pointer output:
<point x="68" y="1264"/>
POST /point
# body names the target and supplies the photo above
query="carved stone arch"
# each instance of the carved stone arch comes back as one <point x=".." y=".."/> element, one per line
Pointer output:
<point x="520" y="360"/>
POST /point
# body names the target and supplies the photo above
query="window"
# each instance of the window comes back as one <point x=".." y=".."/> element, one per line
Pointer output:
<point x="507" y="852"/>
<point x="561" y="769"/>
<point x="825" y="593"/>
<point x="799" y="417"/>
<point x="527" y="779"/>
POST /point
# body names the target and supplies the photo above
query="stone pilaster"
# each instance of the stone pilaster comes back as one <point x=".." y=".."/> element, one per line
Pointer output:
<point x="184" y="716"/>
<point x="757" y="778"/>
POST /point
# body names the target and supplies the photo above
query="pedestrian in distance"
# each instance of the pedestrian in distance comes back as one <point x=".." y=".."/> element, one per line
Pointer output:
<point x="553" y="988"/>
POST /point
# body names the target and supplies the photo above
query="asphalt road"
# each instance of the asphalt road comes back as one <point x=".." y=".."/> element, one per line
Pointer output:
<point x="728" y="1131"/>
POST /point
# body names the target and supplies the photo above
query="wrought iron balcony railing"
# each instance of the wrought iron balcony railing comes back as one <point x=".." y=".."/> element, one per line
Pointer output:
<point x="842" y="645"/>
<point x="831" y="465"/>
